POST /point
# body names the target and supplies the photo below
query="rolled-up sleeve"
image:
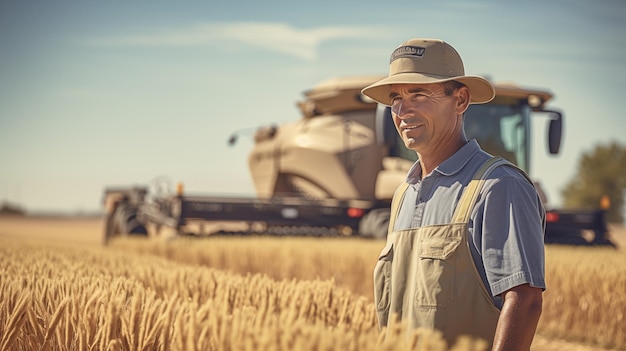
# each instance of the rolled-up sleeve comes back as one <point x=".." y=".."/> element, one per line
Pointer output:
<point x="511" y="220"/>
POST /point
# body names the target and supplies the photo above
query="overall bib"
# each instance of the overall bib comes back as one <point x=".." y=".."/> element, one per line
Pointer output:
<point x="427" y="278"/>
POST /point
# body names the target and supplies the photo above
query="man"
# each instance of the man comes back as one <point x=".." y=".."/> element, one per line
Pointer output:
<point x="464" y="251"/>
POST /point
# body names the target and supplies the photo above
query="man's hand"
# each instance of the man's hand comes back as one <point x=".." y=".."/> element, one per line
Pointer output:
<point x="518" y="319"/>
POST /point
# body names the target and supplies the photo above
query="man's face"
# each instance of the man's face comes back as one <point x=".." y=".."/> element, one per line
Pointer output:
<point x="426" y="118"/>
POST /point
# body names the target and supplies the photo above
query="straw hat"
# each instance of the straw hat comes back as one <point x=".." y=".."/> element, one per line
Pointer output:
<point x="425" y="61"/>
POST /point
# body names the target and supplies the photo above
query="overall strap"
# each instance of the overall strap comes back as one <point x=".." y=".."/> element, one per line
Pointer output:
<point x="398" y="196"/>
<point x="470" y="194"/>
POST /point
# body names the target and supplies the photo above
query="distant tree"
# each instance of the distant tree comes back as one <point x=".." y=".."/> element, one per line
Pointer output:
<point x="602" y="172"/>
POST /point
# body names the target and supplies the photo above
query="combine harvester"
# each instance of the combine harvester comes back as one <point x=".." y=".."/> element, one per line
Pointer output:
<point x="334" y="171"/>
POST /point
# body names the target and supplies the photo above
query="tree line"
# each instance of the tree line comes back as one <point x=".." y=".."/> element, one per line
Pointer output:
<point x="601" y="173"/>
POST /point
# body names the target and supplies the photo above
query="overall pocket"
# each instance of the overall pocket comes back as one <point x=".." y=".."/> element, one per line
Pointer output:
<point x="435" y="273"/>
<point x="382" y="284"/>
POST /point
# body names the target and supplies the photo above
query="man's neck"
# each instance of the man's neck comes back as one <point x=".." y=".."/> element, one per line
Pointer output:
<point x="428" y="162"/>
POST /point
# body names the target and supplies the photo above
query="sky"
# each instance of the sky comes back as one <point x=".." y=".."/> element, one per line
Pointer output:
<point x="120" y="93"/>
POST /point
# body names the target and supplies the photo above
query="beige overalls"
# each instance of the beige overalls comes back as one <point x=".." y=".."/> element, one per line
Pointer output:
<point x="426" y="276"/>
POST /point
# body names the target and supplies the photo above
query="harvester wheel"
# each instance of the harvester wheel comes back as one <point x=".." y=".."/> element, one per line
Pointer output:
<point x="123" y="221"/>
<point x="375" y="223"/>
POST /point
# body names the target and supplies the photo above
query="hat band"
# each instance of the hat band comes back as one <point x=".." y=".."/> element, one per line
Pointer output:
<point x="408" y="51"/>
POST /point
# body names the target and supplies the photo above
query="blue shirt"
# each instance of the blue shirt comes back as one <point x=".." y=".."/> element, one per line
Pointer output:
<point x="506" y="224"/>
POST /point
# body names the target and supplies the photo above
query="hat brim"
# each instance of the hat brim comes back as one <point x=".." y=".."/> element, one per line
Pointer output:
<point x="481" y="91"/>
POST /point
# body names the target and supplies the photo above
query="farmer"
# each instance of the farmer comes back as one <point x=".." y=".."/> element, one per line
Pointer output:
<point x="464" y="252"/>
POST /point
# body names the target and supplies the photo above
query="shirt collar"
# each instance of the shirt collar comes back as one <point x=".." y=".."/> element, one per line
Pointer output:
<point x="459" y="159"/>
<point x="449" y="167"/>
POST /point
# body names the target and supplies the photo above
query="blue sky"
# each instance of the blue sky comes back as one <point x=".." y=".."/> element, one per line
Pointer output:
<point x="109" y="93"/>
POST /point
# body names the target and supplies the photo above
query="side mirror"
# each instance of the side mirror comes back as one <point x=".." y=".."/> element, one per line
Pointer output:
<point x="555" y="131"/>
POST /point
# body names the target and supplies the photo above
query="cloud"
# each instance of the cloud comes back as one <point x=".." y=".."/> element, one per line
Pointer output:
<point x="277" y="37"/>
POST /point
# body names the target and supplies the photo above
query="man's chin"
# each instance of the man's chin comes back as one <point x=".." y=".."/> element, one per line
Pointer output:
<point x="411" y="144"/>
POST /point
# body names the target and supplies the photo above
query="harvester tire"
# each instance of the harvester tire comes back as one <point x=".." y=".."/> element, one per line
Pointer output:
<point x="375" y="223"/>
<point x="124" y="221"/>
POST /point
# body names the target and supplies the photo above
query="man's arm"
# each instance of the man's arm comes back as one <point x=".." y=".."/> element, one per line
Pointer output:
<point x="518" y="319"/>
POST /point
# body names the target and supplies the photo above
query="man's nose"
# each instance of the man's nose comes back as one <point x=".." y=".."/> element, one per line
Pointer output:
<point x="403" y="109"/>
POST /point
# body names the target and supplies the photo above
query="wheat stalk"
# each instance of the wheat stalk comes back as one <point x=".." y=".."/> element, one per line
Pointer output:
<point x="54" y="321"/>
<point x="16" y="319"/>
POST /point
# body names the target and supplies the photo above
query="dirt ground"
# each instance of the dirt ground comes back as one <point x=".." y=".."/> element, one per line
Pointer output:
<point x="89" y="231"/>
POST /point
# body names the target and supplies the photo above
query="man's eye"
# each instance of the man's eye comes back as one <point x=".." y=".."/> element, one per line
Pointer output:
<point x="396" y="100"/>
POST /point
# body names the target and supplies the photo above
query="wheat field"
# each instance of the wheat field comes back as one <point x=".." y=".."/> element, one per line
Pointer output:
<point x="61" y="289"/>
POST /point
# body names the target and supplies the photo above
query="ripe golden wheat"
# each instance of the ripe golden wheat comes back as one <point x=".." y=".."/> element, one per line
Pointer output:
<point x="256" y="293"/>
<point x="584" y="302"/>
<point x="56" y="297"/>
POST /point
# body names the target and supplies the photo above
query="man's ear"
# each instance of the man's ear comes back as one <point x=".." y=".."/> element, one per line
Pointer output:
<point x="463" y="99"/>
